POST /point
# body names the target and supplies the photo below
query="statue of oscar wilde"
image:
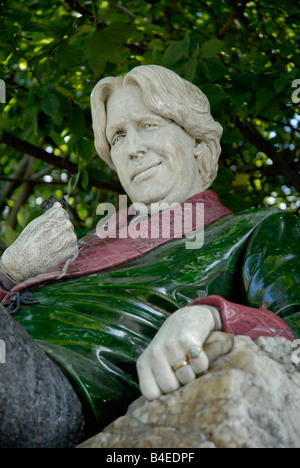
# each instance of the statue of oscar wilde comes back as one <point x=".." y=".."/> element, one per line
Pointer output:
<point x="94" y="309"/>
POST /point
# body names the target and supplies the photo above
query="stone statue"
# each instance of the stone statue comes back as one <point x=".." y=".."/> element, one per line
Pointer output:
<point x="93" y="309"/>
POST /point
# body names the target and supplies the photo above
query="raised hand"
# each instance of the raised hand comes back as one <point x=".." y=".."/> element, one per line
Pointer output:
<point x="47" y="241"/>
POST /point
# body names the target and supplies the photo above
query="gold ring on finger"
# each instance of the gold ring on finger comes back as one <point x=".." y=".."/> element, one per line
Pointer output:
<point x="184" y="363"/>
<point x="194" y="353"/>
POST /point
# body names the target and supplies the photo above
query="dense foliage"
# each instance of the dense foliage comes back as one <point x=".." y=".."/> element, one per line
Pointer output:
<point x="244" y="55"/>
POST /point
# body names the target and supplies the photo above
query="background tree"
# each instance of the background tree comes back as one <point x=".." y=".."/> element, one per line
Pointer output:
<point x="243" y="55"/>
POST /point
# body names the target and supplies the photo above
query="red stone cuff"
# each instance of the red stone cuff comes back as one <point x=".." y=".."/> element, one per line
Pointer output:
<point x="242" y="320"/>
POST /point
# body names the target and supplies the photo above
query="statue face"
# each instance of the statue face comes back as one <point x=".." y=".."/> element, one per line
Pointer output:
<point x="153" y="156"/>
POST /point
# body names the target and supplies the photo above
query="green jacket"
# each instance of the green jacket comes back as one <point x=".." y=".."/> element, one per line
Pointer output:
<point x="96" y="326"/>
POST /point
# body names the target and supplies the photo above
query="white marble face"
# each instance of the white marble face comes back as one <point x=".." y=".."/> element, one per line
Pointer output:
<point x="153" y="156"/>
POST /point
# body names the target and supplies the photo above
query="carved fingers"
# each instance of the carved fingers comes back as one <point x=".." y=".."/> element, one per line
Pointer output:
<point x="176" y="355"/>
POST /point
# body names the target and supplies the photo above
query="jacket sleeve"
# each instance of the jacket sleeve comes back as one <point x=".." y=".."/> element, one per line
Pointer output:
<point x="243" y="320"/>
<point x="271" y="272"/>
<point x="270" y="283"/>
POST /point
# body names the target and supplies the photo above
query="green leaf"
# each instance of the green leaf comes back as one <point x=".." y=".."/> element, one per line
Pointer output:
<point x="176" y="51"/>
<point x="263" y="97"/>
<point x="231" y="136"/>
<point x="234" y="202"/>
<point x="190" y="70"/>
<point x="50" y="105"/>
<point x="76" y="122"/>
<point x="216" y="68"/>
<point x="280" y="84"/>
<point x="222" y="184"/>
<point x="68" y="56"/>
<point x="239" y="98"/>
<point x="45" y="123"/>
<point x="272" y="108"/>
<point x="30" y="119"/>
<point x="225" y="175"/>
<point x="108" y="44"/>
<point x="84" y="179"/>
<point x="85" y="152"/>
<point x="212" y="48"/>
<point x="9" y="234"/>
<point x="204" y="70"/>
<point x="23" y="216"/>
<point x="215" y="94"/>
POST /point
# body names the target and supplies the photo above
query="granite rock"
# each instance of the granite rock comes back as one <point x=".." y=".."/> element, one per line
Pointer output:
<point x="250" y="397"/>
<point x="38" y="406"/>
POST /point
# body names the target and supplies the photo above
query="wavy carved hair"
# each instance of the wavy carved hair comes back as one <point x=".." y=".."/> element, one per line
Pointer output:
<point x="172" y="97"/>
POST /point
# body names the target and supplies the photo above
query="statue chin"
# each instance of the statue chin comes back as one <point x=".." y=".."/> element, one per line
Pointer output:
<point x="149" y="195"/>
<point x="158" y="194"/>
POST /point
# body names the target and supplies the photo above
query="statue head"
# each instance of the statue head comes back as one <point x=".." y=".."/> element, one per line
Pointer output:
<point x="156" y="130"/>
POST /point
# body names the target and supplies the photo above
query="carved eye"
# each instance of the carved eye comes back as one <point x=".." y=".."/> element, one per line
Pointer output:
<point x="149" y="126"/>
<point x="118" y="137"/>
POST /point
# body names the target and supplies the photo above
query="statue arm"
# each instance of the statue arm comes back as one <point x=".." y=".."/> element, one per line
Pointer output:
<point x="270" y="274"/>
<point x="167" y="363"/>
<point x="271" y="281"/>
<point x="238" y="319"/>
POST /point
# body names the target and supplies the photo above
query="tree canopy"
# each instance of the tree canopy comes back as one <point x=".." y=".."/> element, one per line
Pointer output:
<point x="245" y="56"/>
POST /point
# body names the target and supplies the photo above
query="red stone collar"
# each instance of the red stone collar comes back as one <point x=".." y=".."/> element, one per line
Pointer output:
<point x="97" y="254"/>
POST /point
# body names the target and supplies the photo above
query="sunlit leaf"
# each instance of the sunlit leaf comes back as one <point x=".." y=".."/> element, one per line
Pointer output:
<point x="211" y="48"/>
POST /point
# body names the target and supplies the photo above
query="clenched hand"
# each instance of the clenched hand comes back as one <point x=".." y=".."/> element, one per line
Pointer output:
<point x="176" y="356"/>
<point x="47" y="241"/>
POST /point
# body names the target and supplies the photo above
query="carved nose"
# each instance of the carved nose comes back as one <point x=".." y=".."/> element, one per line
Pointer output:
<point x="136" y="155"/>
<point x="136" y="146"/>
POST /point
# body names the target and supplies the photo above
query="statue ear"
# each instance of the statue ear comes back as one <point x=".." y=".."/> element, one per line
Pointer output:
<point x="207" y="156"/>
<point x="200" y="148"/>
<point x="206" y="162"/>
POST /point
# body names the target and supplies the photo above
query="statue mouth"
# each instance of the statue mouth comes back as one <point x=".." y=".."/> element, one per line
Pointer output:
<point x="143" y="169"/>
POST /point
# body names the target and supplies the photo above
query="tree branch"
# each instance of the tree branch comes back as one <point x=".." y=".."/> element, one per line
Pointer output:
<point x="249" y="131"/>
<point x="239" y="8"/>
<point x="10" y="186"/>
<point x="32" y="181"/>
<point x="126" y="11"/>
<point x="74" y="5"/>
<point x="227" y="26"/>
<point x="40" y="153"/>
<point x="25" y="190"/>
